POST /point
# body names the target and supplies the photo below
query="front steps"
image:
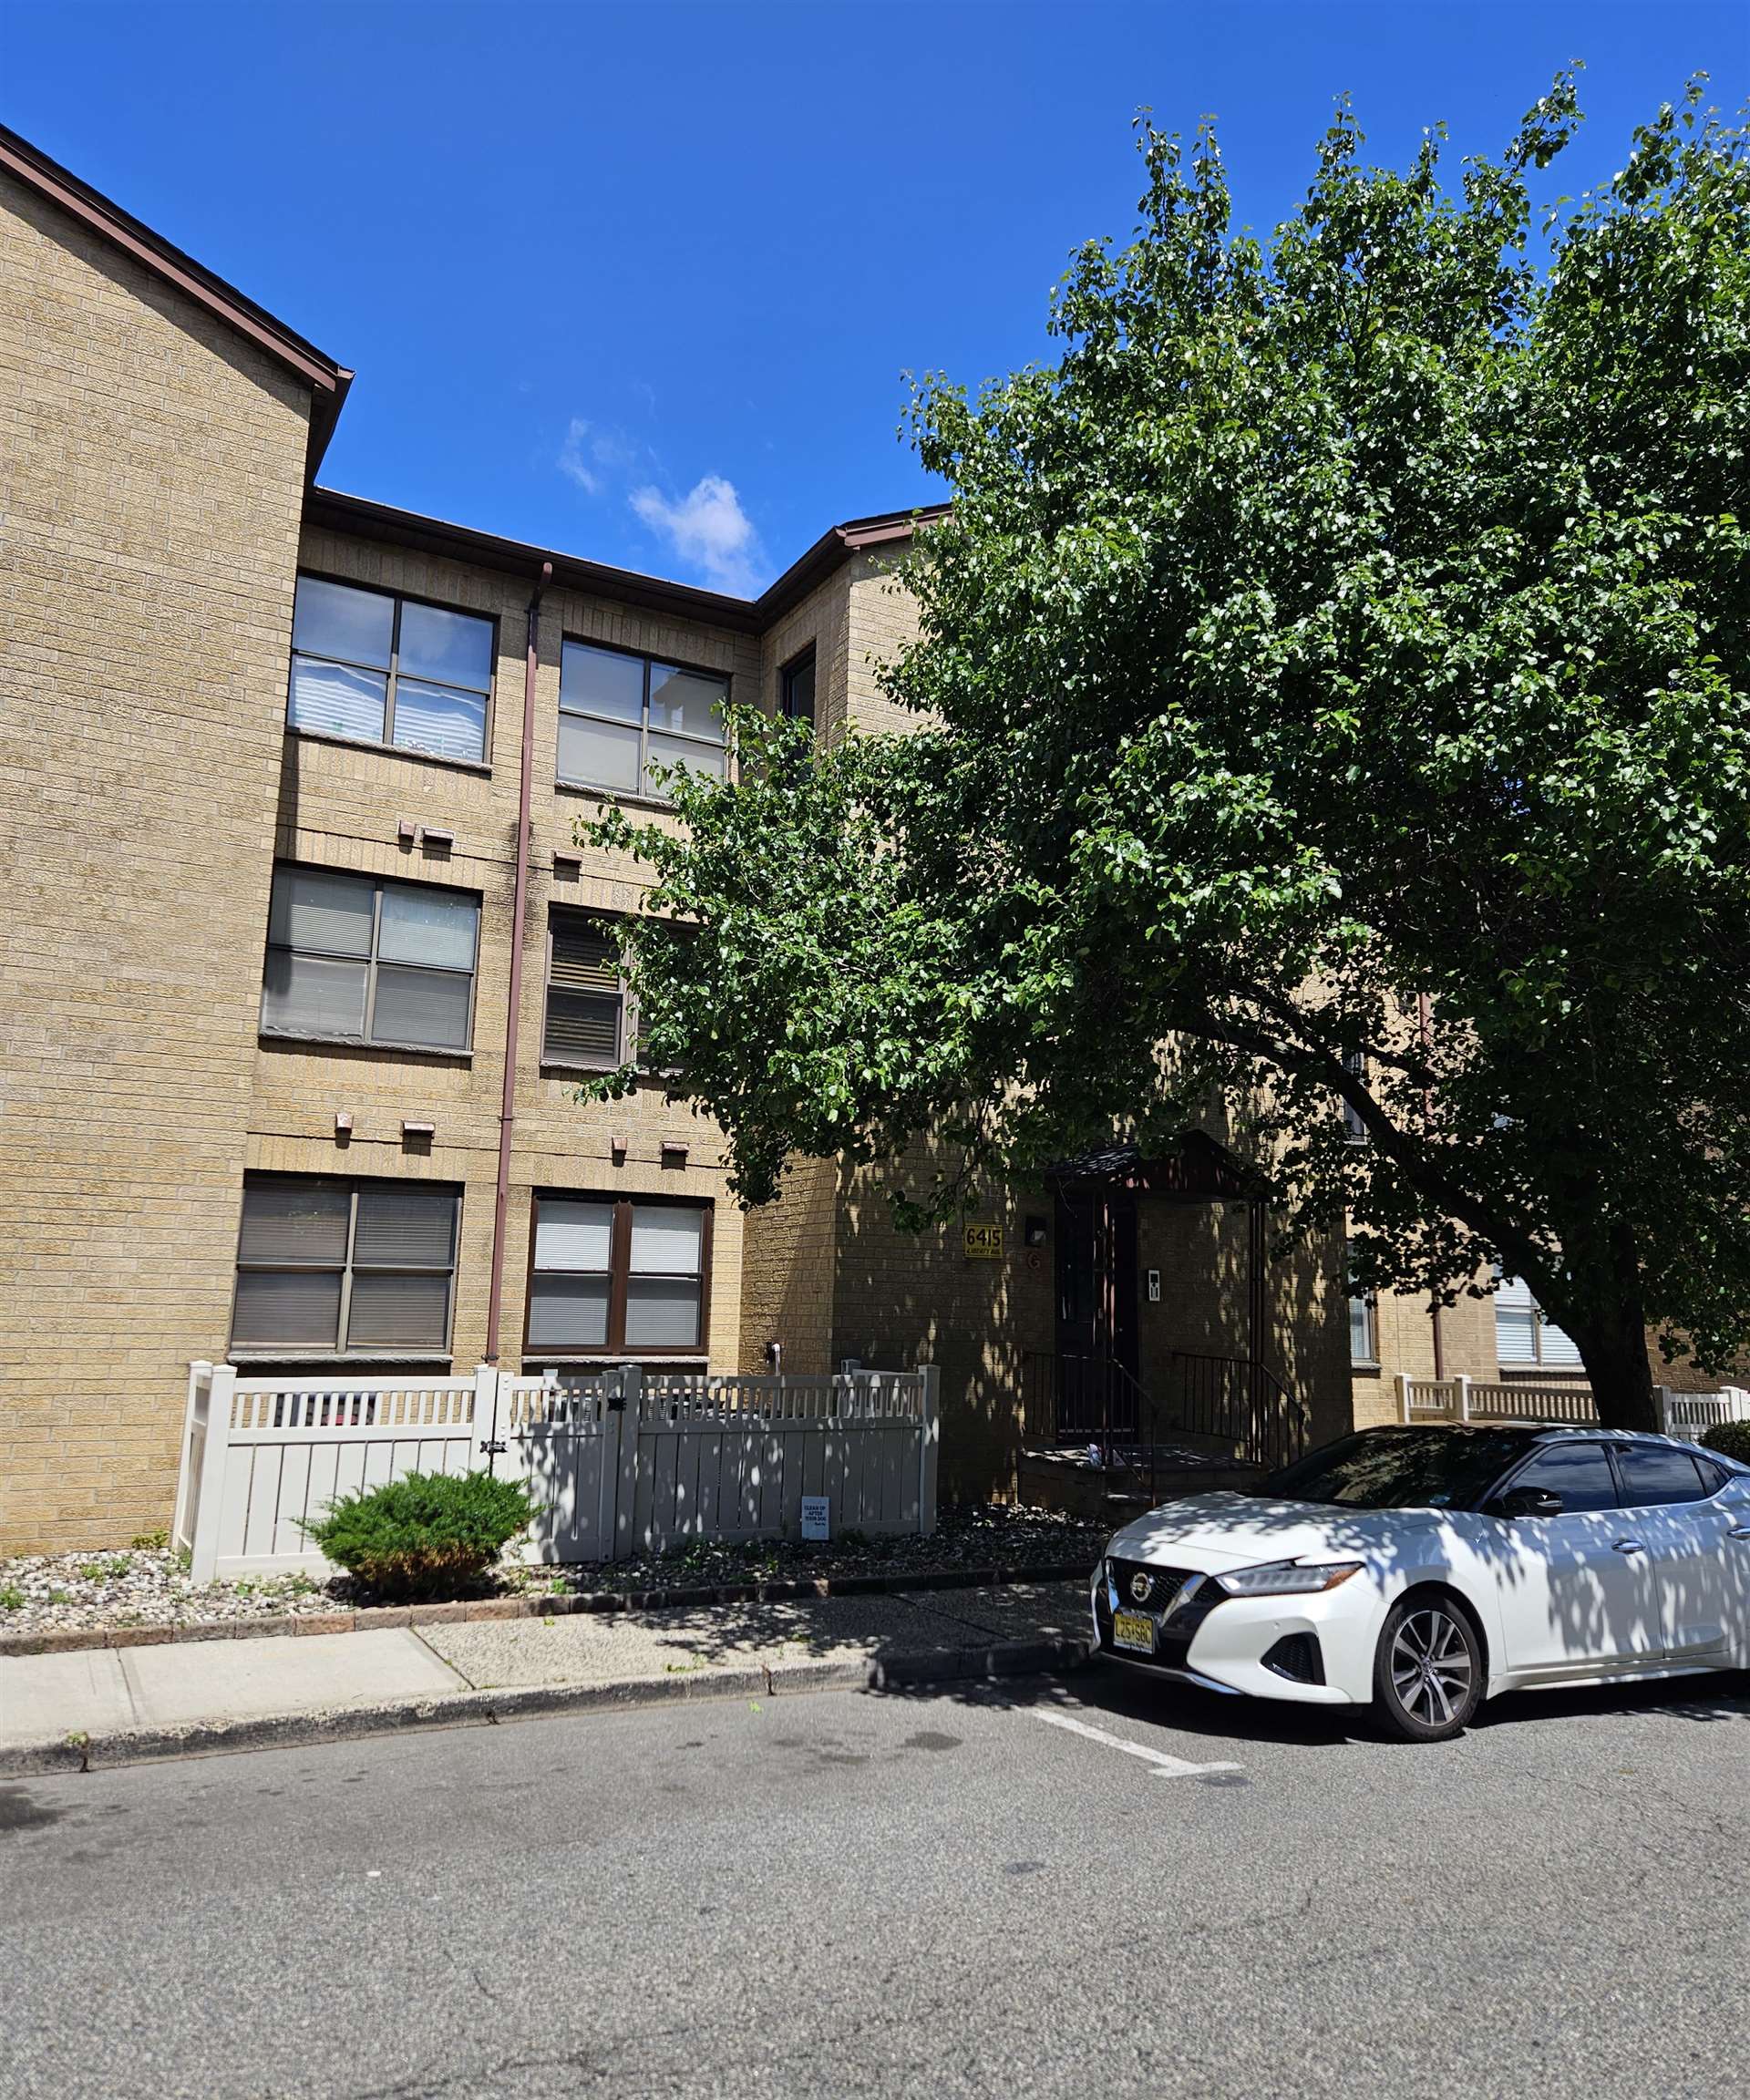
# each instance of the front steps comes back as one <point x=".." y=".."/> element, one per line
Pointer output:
<point x="1070" y="1481"/>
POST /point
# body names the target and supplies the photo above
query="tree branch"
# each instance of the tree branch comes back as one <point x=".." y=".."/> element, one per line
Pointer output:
<point x="1409" y="1154"/>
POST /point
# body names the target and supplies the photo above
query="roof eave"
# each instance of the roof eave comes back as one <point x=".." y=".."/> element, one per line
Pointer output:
<point x="328" y="381"/>
<point x="335" y="508"/>
<point x="367" y="519"/>
<point x="835" y="545"/>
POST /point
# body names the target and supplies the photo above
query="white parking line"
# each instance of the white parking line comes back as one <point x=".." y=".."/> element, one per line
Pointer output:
<point x="1166" y="1767"/>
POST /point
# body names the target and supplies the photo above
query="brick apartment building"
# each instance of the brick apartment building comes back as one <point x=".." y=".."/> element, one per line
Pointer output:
<point x="266" y="772"/>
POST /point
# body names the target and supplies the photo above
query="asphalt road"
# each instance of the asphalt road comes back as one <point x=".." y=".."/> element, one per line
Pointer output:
<point x="860" y="1893"/>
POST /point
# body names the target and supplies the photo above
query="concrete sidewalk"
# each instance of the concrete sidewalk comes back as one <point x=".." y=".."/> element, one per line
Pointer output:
<point x="112" y="1706"/>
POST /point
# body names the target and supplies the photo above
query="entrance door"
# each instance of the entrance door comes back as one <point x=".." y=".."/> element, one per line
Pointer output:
<point x="1096" y="1263"/>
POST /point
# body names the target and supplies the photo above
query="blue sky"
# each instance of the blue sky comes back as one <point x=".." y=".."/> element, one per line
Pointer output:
<point x="640" y="281"/>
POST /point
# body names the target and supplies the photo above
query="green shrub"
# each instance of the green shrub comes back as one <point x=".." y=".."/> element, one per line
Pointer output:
<point x="1733" y="1439"/>
<point x="422" y="1534"/>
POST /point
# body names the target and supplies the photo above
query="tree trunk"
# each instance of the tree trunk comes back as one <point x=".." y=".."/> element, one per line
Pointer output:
<point x="1614" y="1346"/>
<point x="1622" y="1381"/>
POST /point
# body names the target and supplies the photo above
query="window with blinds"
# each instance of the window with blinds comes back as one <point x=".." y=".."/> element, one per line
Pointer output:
<point x="1524" y="1333"/>
<point x="617" y="1277"/>
<point x="364" y="961"/>
<point x="586" y="1000"/>
<point x="333" y="1267"/>
<point x="376" y="668"/>
<point x="1363" y="1322"/>
<point x="1363" y="1345"/>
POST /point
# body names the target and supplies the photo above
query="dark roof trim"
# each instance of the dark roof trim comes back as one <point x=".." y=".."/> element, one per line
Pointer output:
<point x="381" y="521"/>
<point x="1196" y="1170"/>
<point x="837" y="545"/>
<point x="328" y="381"/>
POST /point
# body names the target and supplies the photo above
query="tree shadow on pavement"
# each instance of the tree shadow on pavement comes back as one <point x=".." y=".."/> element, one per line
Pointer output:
<point x="1103" y="1688"/>
<point x="1722" y="1695"/>
<point x="881" y="1630"/>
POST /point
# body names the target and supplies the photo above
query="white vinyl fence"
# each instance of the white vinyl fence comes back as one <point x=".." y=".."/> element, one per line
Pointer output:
<point x="617" y="1462"/>
<point x="1686" y="1415"/>
<point x="1692" y="1414"/>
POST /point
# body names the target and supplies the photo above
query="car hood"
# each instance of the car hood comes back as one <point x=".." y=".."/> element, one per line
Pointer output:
<point x="1230" y="1531"/>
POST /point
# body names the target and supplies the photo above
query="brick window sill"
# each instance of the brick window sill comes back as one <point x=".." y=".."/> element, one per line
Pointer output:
<point x="479" y="768"/>
<point x="295" y="1039"/>
<point x="534" y="1361"/>
<point x="313" y="1359"/>
<point x="658" y="803"/>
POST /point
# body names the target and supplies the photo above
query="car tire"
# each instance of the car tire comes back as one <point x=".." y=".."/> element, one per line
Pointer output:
<point x="1427" y="1669"/>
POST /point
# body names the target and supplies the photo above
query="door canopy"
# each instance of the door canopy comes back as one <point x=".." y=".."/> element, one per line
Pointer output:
<point x="1195" y="1170"/>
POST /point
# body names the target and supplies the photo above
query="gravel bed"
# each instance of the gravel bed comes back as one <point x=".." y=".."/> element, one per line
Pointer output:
<point x="148" y="1585"/>
<point x="145" y="1586"/>
<point x="992" y="1535"/>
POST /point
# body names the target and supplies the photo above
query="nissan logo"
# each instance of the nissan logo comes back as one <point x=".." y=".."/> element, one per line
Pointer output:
<point x="1140" y="1585"/>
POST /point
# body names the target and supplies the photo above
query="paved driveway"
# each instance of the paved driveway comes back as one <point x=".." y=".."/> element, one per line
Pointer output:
<point x="1104" y="1889"/>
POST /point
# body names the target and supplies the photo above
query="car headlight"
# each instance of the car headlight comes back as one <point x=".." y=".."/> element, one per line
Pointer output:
<point x="1285" y="1578"/>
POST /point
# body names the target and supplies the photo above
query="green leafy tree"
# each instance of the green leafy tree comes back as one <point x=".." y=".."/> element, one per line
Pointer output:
<point x="1332" y="686"/>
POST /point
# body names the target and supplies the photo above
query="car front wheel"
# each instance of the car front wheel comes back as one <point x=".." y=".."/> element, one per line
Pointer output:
<point x="1428" y="1672"/>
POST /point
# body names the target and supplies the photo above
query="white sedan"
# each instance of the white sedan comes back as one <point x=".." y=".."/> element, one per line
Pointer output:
<point x="1420" y="1571"/>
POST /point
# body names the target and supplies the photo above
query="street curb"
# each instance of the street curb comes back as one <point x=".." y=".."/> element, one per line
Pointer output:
<point x="380" y="1618"/>
<point x="102" y="1752"/>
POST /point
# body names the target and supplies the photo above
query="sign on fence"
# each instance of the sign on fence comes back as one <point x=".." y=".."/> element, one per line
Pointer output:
<point x="817" y="1516"/>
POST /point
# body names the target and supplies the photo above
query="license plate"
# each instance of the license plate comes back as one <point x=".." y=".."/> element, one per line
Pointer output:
<point x="1133" y="1629"/>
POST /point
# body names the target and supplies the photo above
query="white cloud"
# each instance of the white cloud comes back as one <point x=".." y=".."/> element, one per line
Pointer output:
<point x="573" y="459"/>
<point x="612" y="448"/>
<point x="591" y="455"/>
<point x="709" y="530"/>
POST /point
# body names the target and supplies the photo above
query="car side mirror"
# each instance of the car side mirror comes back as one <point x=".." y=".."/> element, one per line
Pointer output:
<point x="1528" y="1502"/>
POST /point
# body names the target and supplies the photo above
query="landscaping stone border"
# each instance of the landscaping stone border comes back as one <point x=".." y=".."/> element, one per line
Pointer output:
<point x="377" y="1618"/>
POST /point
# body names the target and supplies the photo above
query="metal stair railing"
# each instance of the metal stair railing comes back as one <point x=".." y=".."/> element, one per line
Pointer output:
<point x="1238" y="1399"/>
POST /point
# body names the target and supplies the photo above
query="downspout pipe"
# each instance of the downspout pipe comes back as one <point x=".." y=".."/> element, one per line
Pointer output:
<point x="1425" y="1025"/>
<point x="507" y="1107"/>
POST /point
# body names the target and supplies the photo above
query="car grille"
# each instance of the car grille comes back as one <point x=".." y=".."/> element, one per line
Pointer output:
<point x="1164" y="1584"/>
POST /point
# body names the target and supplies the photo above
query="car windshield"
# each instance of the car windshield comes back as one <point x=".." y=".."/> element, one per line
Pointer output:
<point x="1406" y="1468"/>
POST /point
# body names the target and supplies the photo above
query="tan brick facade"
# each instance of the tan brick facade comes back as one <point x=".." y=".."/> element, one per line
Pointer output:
<point x="882" y="620"/>
<point x="154" y="460"/>
<point x="1404" y="1328"/>
<point x="788" y="1274"/>
<point x="342" y="807"/>
<point x="151" y="477"/>
<point x="156" y="438"/>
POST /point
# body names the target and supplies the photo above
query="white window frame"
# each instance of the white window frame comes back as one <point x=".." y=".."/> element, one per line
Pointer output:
<point x="1368" y="1304"/>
